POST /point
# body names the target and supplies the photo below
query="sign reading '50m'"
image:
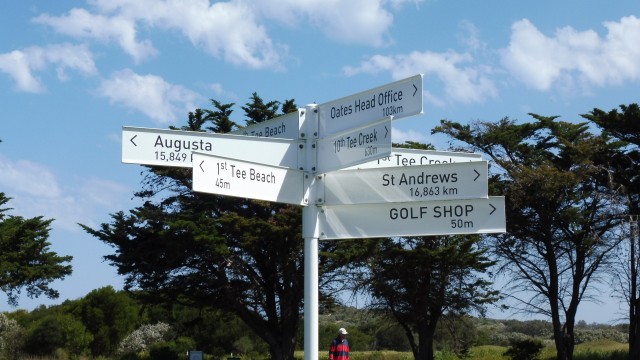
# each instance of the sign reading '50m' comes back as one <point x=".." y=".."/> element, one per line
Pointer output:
<point x="399" y="99"/>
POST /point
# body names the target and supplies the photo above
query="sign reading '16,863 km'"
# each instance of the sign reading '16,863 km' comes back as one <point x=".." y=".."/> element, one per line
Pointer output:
<point x="407" y="183"/>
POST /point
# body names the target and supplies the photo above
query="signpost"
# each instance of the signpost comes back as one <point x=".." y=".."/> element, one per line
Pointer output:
<point x="174" y="148"/>
<point x="232" y="177"/>
<point x="355" y="146"/>
<point x="406" y="184"/>
<point x="471" y="216"/>
<point x="399" y="99"/>
<point x="337" y="159"/>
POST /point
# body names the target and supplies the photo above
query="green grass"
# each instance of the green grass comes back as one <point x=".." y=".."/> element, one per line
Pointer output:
<point x="596" y="350"/>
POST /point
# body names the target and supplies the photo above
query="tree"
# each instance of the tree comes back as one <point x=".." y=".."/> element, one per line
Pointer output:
<point x="233" y="254"/>
<point x="109" y="316"/>
<point x="420" y="279"/>
<point x="58" y="331"/>
<point x="624" y="169"/>
<point x="560" y="218"/>
<point x="25" y="259"/>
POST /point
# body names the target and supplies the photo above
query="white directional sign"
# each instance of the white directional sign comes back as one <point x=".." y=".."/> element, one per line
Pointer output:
<point x="283" y="127"/>
<point x="398" y="99"/>
<point x="472" y="216"/>
<point x="173" y="148"/>
<point x="226" y="176"/>
<point x="412" y="157"/>
<point x="355" y="146"/>
<point x="406" y="184"/>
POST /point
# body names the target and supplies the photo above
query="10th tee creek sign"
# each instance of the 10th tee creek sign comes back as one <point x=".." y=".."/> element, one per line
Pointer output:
<point x="335" y="159"/>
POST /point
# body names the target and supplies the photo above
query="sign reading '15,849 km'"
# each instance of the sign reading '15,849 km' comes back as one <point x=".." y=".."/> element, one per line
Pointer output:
<point x="161" y="147"/>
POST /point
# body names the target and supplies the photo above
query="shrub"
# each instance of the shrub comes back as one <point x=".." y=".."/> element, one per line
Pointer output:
<point x="11" y="337"/>
<point x="58" y="332"/>
<point x="141" y="339"/>
<point x="163" y="351"/>
<point x="525" y="349"/>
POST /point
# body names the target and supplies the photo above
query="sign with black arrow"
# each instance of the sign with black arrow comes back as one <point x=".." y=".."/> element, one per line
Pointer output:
<point x="454" y="181"/>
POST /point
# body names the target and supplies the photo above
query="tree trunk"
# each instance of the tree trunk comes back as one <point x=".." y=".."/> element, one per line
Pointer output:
<point x="425" y="337"/>
<point x="283" y="350"/>
<point x="558" y="338"/>
<point x="568" y="340"/>
<point x="634" y="329"/>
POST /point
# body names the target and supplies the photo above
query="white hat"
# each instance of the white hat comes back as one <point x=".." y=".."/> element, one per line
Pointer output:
<point x="342" y="331"/>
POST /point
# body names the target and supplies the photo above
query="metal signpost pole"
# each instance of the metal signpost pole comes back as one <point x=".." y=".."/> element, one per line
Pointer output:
<point x="311" y="334"/>
<point x="309" y="132"/>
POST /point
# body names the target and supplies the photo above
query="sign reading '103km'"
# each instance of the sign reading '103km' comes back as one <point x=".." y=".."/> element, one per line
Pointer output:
<point x="398" y="99"/>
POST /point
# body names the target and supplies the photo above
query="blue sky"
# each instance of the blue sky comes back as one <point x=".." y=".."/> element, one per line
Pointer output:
<point x="72" y="73"/>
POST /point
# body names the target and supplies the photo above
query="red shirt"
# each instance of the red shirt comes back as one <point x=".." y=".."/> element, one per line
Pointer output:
<point x="339" y="349"/>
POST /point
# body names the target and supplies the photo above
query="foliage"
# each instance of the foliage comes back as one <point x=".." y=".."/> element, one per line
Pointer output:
<point x="109" y="316"/>
<point x="11" y="337"/>
<point x="525" y="349"/>
<point x="455" y="333"/>
<point x="163" y="351"/>
<point x="591" y="335"/>
<point x="142" y="338"/>
<point x="25" y="260"/>
<point x="58" y="331"/>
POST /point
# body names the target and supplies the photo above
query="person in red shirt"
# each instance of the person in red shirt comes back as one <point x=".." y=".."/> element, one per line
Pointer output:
<point x="339" y="349"/>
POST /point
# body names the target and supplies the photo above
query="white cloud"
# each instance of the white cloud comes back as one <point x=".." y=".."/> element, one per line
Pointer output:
<point x="219" y="90"/>
<point x="35" y="190"/>
<point x="80" y="23"/>
<point x="347" y="21"/>
<point x="462" y="84"/>
<point x="21" y="65"/>
<point x="28" y="177"/>
<point x="224" y="29"/>
<point x="574" y="57"/>
<point x="149" y="94"/>
<point x="469" y="36"/>
<point x="17" y="65"/>
<point x="400" y="136"/>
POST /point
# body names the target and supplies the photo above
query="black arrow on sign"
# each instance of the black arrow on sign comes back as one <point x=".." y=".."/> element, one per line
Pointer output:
<point x="386" y="133"/>
<point x="492" y="211"/>
<point x="416" y="89"/>
<point x="134" y="144"/>
<point x="477" y="174"/>
<point x="201" y="166"/>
